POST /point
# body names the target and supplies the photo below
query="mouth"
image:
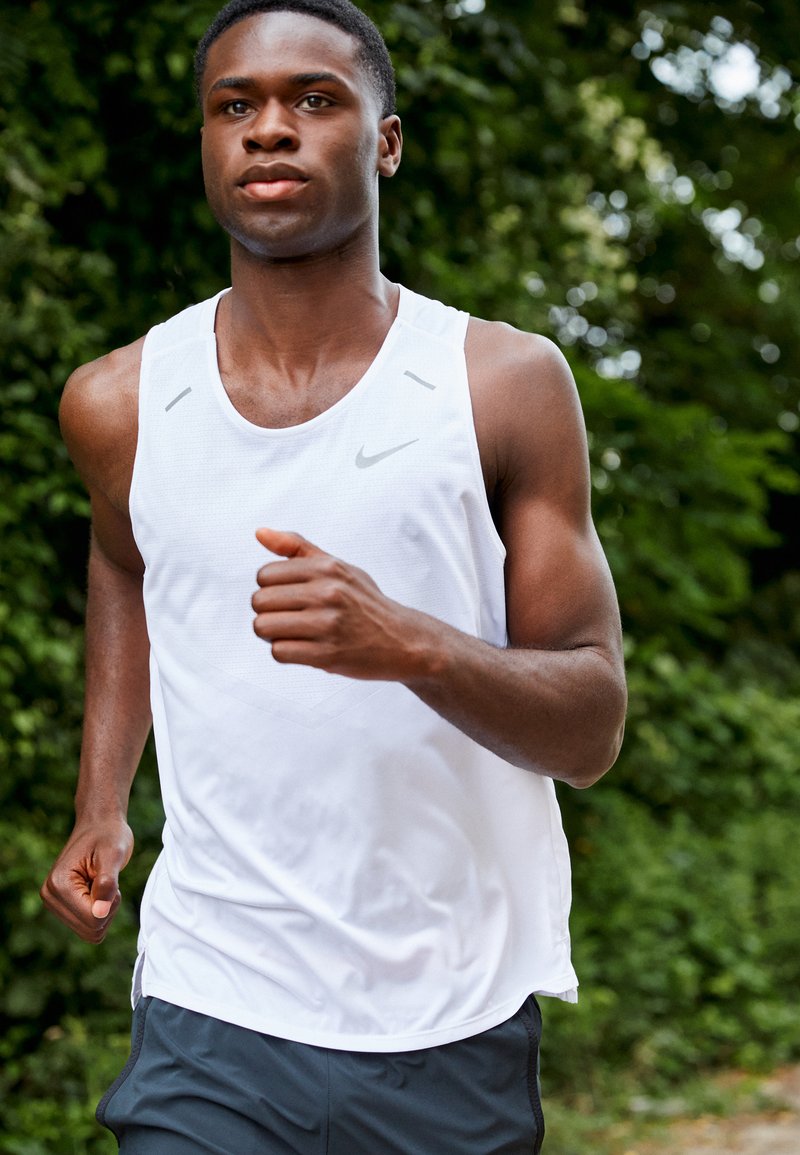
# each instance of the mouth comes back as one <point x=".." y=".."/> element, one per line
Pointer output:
<point x="272" y="182"/>
<point x="271" y="190"/>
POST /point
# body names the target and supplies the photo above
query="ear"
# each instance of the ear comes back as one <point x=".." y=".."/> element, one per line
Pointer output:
<point x="390" y="145"/>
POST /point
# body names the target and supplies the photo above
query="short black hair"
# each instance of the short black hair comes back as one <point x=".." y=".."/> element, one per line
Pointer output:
<point x="373" y="53"/>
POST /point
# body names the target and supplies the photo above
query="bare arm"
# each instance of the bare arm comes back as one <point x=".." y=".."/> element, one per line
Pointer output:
<point x="98" y="422"/>
<point x="552" y="702"/>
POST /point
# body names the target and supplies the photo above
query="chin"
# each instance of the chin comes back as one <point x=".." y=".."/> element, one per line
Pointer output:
<point x="293" y="245"/>
<point x="277" y="250"/>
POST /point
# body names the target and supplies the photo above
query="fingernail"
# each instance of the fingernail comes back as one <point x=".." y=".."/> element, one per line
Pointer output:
<point x="100" y="908"/>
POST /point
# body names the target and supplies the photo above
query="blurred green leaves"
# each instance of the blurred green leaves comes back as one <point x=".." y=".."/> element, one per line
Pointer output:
<point x="552" y="178"/>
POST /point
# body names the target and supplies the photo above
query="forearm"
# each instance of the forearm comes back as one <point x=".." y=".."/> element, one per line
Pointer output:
<point x="82" y="888"/>
<point x="117" y="712"/>
<point x="558" y="712"/>
<point x="555" y="712"/>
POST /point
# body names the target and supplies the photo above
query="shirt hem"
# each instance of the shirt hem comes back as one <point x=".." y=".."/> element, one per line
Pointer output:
<point x="566" y="985"/>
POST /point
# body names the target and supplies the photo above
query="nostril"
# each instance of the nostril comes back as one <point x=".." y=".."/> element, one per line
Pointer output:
<point x="254" y="144"/>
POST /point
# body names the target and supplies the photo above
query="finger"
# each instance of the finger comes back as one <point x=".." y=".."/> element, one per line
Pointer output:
<point x="104" y="893"/>
<point x="290" y="651"/>
<point x="73" y="910"/>
<point x="305" y="626"/>
<point x="287" y="544"/>
<point x="103" y="910"/>
<point x="292" y="572"/>
<point x="280" y="598"/>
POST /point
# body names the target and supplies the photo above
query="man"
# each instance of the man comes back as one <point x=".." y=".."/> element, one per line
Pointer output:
<point x="364" y="881"/>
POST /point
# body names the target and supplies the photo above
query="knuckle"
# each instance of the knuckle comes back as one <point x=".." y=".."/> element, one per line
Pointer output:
<point x="50" y="889"/>
<point x="344" y="571"/>
<point x="331" y="567"/>
<point x="50" y="898"/>
<point x="331" y="593"/>
<point x="331" y="622"/>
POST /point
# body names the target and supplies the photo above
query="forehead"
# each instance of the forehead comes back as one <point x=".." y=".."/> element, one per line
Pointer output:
<point x="290" y="41"/>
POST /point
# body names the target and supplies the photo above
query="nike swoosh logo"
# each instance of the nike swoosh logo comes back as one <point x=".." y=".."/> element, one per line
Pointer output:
<point x="364" y="462"/>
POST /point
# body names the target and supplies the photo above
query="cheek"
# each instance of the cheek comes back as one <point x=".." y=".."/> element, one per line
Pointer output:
<point x="210" y="166"/>
<point x="214" y="149"/>
<point x="205" y="159"/>
<point x="362" y="167"/>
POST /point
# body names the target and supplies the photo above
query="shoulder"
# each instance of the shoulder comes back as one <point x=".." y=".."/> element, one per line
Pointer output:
<point x="98" y="417"/>
<point x="503" y="359"/>
<point x="497" y="338"/>
<point x="527" y="410"/>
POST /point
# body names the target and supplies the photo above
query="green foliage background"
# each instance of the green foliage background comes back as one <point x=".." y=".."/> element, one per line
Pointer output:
<point x="570" y="168"/>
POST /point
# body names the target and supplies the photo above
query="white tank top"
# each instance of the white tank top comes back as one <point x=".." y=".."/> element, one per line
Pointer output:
<point x="340" y="866"/>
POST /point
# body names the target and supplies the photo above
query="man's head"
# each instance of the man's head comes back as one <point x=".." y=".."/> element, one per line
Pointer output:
<point x="372" y="50"/>
<point x="293" y="142"/>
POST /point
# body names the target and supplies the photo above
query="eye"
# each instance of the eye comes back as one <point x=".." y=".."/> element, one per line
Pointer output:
<point x="315" y="100"/>
<point x="236" y="107"/>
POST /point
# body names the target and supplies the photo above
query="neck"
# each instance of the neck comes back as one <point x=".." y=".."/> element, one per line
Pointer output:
<point x="294" y="336"/>
<point x="288" y="306"/>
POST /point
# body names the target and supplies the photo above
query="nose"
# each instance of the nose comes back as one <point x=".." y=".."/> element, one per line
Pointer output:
<point x="272" y="130"/>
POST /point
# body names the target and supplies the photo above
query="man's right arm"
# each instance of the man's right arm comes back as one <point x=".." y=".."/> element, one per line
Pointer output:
<point x="98" y="419"/>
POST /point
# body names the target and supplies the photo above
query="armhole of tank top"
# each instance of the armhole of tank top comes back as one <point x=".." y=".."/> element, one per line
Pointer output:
<point x="144" y="387"/>
<point x="460" y="336"/>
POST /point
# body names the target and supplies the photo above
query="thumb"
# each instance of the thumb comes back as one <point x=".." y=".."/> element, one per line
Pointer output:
<point x="286" y="544"/>
<point x="104" y="893"/>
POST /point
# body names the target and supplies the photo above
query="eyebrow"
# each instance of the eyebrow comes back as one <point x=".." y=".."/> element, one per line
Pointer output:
<point x="298" y="80"/>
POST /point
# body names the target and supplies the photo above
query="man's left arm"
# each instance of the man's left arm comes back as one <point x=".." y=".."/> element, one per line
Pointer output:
<point x="554" y="700"/>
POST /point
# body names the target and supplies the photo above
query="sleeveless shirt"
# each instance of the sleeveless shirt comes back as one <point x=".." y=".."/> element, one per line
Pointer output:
<point x="340" y="865"/>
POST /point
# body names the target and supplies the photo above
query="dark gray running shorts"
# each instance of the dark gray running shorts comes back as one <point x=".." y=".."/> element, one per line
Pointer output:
<point x="195" y="1084"/>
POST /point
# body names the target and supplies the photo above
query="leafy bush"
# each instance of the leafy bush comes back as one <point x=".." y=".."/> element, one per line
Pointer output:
<point x="550" y="180"/>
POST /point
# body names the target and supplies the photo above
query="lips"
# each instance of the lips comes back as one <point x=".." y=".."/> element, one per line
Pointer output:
<point x="271" y="182"/>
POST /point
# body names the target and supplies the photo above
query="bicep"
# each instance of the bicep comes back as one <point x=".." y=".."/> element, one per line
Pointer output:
<point x="559" y="591"/>
<point x="98" y="416"/>
<point x="113" y="542"/>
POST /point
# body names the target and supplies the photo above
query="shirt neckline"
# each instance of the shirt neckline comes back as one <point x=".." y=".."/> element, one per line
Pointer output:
<point x="238" y="419"/>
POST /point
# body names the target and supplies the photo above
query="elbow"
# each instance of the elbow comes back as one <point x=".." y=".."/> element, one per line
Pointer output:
<point x="599" y="743"/>
<point x="592" y="769"/>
